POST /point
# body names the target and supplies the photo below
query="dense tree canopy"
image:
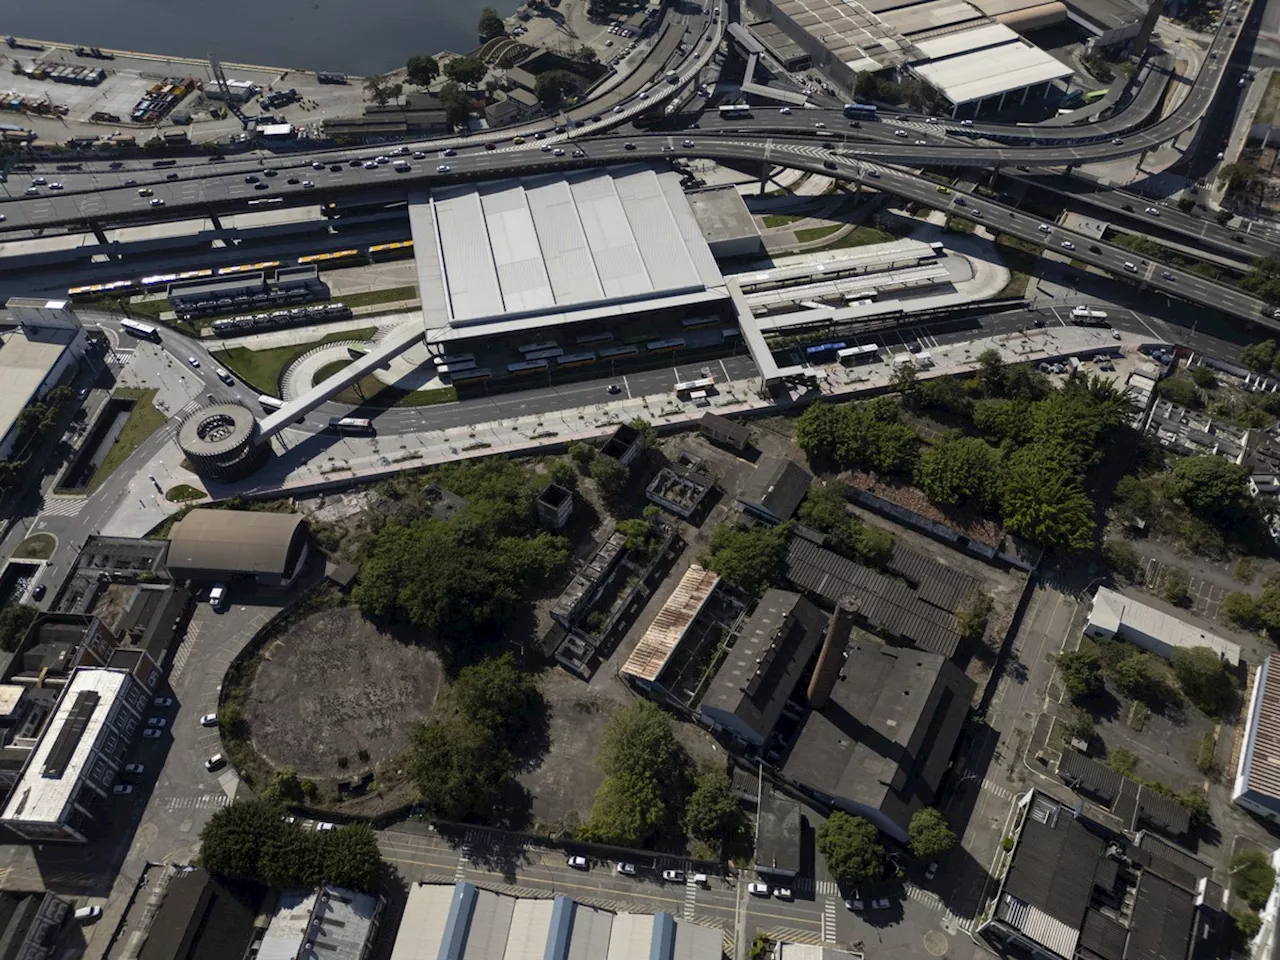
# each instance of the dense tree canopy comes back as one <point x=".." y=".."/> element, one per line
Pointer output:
<point x="609" y="475"/>
<point x="251" y="840"/>
<point x="14" y="623"/>
<point x="712" y="814"/>
<point x="867" y="436"/>
<point x="554" y="84"/>
<point x="850" y="847"/>
<point x="422" y="71"/>
<point x="467" y="71"/>
<point x="1042" y="500"/>
<point x="1205" y="679"/>
<point x="1080" y="671"/>
<point x="491" y="24"/>
<point x="1252" y="877"/>
<point x="824" y="509"/>
<point x="750" y="560"/>
<point x="931" y="835"/>
<point x="960" y="470"/>
<point x="1211" y="487"/>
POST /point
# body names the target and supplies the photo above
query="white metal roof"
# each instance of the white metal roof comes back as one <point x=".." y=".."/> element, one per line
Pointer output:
<point x="694" y="942"/>
<point x="530" y="926"/>
<point x="287" y="930"/>
<point x="426" y="914"/>
<point x="24" y="365"/>
<point x="535" y="245"/>
<point x="41" y="799"/>
<point x="1112" y="612"/>
<point x="631" y="937"/>
<point x="992" y="71"/>
<point x="966" y="41"/>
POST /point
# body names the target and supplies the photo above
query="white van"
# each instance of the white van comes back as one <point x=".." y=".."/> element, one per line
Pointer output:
<point x="1044" y="228"/>
<point x="217" y="597"/>
<point x="401" y="166"/>
<point x="1132" y="268"/>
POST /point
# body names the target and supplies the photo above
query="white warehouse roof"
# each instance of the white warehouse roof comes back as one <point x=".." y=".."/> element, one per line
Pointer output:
<point x="528" y="246"/>
<point x="986" y="62"/>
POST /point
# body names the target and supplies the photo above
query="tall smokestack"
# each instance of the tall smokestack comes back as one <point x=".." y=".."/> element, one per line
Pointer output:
<point x="831" y="659"/>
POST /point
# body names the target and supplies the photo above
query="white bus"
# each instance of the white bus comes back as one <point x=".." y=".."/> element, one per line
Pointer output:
<point x="270" y="403"/>
<point x="690" y="386"/>
<point x="1086" y="313"/>
<point x="732" y="110"/>
<point x="143" y="330"/>
<point x="350" y="425"/>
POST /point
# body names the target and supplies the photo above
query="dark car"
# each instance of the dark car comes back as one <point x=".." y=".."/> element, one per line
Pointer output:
<point x="491" y="146"/>
<point x="171" y="176"/>
<point x="39" y="592"/>
<point x="829" y="164"/>
<point x="335" y="168"/>
<point x="1095" y="249"/>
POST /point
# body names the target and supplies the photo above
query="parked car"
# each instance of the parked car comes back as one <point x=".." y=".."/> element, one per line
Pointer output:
<point x="122" y="789"/>
<point x="854" y="904"/>
<point x="87" y="914"/>
<point x="157" y="722"/>
<point x="217" y="761"/>
<point x="162" y="702"/>
<point x="578" y="863"/>
<point x="880" y="904"/>
<point x="218" y="595"/>
<point x="209" y="720"/>
<point x="931" y="871"/>
<point x="322" y="825"/>
<point x="39" y="592"/>
<point x="782" y="893"/>
<point x="673" y="876"/>
<point x="135" y="768"/>
<point x="151" y="733"/>
<point x="627" y="869"/>
<point x="758" y="888"/>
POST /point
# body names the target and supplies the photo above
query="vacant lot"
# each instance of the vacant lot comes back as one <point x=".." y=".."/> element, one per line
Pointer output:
<point x="334" y="686"/>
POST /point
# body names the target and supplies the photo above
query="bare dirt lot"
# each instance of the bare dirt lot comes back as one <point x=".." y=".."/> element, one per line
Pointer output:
<point x="335" y="685"/>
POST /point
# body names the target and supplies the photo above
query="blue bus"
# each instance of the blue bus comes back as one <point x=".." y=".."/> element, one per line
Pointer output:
<point x="820" y="350"/>
<point x="860" y="111"/>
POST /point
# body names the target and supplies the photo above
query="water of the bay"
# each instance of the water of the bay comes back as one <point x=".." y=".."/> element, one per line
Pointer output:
<point x="350" y="36"/>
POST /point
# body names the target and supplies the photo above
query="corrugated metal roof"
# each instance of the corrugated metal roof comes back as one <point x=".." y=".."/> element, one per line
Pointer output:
<point x="233" y="541"/>
<point x="1053" y="867"/>
<point x="969" y="77"/>
<point x="490" y="923"/>
<point x="570" y="267"/>
<point x="668" y="628"/>
<point x="470" y="274"/>
<point x="1163" y="921"/>
<point x="517" y="252"/>
<point x="695" y="942"/>
<point x="422" y="927"/>
<point x="1103" y="936"/>
<point x="1261" y="757"/>
<point x="630" y="937"/>
<point x="967" y="41"/>
<point x="591" y="933"/>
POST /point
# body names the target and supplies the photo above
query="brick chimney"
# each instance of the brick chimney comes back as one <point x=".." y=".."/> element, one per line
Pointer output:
<point x="831" y="659"/>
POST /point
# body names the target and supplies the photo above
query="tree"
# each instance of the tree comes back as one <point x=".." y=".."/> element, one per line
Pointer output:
<point x="1134" y="674"/>
<point x="1268" y="607"/>
<point x="1180" y="392"/>
<point x="422" y="71"/>
<point x="467" y="71"/>
<point x="958" y="470"/>
<point x="491" y="25"/>
<point x="750" y="560"/>
<point x="626" y="812"/>
<point x="712" y="814"/>
<point x="1209" y="486"/>
<point x="582" y="454"/>
<point x="638" y="743"/>
<point x="1123" y="559"/>
<point x="1204" y="377"/>
<point x="851" y="848"/>
<point x="554" y="84"/>
<point x="379" y="89"/>
<point x="971" y="618"/>
<point x="456" y="103"/>
<point x="1122" y="761"/>
<point x="931" y="835"/>
<point x="991" y="373"/>
<point x="1246" y="924"/>
<point x="461" y="768"/>
<point x="352" y="858"/>
<point x="1240" y="609"/>
<point x="498" y="695"/>
<point x="15" y="621"/>
<point x="1176" y="582"/>
<point x="1205" y="679"/>
<point x="231" y="842"/>
<point x="1252" y="877"/>
<point x="1077" y="725"/>
<point x="1236" y="176"/>
<point x="609" y="475"/>
<point x="1042" y="500"/>
<point x="1081" y="673"/>
<point x="1259" y="356"/>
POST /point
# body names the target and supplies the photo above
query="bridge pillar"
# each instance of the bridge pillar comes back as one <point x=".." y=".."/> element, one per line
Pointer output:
<point x="213" y="217"/>
<point x="98" y="232"/>
<point x="764" y="177"/>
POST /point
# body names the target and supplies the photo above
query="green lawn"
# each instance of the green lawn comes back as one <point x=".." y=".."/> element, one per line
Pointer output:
<point x="772" y="220"/>
<point x="144" y="420"/>
<point x="857" y="237"/>
<point x="816" y="233"/>
<point x="261" y="369"/>
<point x="371" y="392"/>
<point x="183" y="493"/>
<point x="36" y="547"/>
<point x="379" y="296"/>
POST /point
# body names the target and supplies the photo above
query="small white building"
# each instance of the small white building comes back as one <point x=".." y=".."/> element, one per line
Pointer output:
<point x="1115" y="615"/>
<point x="1257" y="783"/>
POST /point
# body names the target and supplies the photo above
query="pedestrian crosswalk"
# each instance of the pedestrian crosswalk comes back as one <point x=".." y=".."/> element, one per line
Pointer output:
<point x="933" y="902"/>
<point x="829" y="921"/>
<point x="1004" y="793"/>
<point x="825" y="888"/>
<point x="196" y="803"/>
<point x="690" y="898"/>
<point x="795" y="935"/>
<point x="62" y="506"/>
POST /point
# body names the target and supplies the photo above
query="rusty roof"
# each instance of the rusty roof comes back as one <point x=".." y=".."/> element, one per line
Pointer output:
<point x="668" y="628"/>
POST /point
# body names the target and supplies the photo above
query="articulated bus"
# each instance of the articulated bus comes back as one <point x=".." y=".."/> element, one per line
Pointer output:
<point x="818" y="351"/>
<point x="336" y="259"/>
<point x="248" y="267"/>
<point x="538" y="347"/>
<point x="702" y="383"/>
<point x="549" y="354"/>
<point x="526" y="366"/>
<point x="860" y="111"/>
<point x="731" y="110"/>
<point x="470" y="376"/>
<point x="575" y="359"/>
<point x="270" y="403"/>
<point x="662" y="346"/>
<point x="143" y="330"/>
<point x="350" y="425"/>
<point x="1093" y="96"/>
<point x="590" y="338"/>
<point x="616" y="353"/>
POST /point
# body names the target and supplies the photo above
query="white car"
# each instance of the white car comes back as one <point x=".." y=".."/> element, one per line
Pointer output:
<point x="122" y="789"/>
<point x="686" y="143"/>
<point x="557" y="152"/>
<point x="853" y="904"/>
<point x="1153" y="211"/>
<point x="317" y="164"/>
<point x="618" y="109"/>
<point x="382" y="160"/>
<point x="931" y="871"/>
<point x="55" y="185"/>
<point x="1115" y="334"/>
<point x="162" y="702"/>
<point x="819" y="125"/>
<point x="157" y="722"/>
<point x="308" y="185"/>
<point x="209" y="720"/>
<point x="785" y="111"/>
<point x="758" y="888"/>
<point x="218" y="595"/>
<point x="1068" y="245"/>
<point x="370" y="165"/>
<point x="87" y="914"/>
<point x="157" y="202"/>
<point x="151" y="733"/>
<point x="322" y="825"/>
<point x="134" y="768"/>
<point x="225" y="377"/>
<point x="443" y="168"/>
<point x="215" y="762"/>
<point x="783" y="893"/>
<point x="900" y="133"/>
<point x="931" y="120"/>
<point x="627" y="869"/>
<point x="578" y="863"/>
<point x="673" y="876"/>
<point x="193" y="361"/>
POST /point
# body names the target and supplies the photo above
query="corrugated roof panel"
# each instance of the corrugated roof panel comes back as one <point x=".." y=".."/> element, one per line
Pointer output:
<point x="966" y="41"/>
<point x="630" y="937"/>
<point x="668" y="628"/>
<point x="661" y="246"/>
<point x="694" y="942"/>
<point x="590" y="937"/>
<point x="487" y="933"/>
<point x="604" y="220"/>
<point x="517" y="254"/>
<point x="989" y="73"/>
<point x="527" y="934"/>
<point x="471" y="278"/>
<point x="422" y="927"/>
<point x="704" y="262"/>
<point x="570" y="267"/>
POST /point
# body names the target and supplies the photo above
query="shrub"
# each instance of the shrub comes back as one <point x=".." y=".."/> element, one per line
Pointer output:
<point x="1123" y="558"/>
<point x="1252" y="877"/>
<point x="1123" y="761"/>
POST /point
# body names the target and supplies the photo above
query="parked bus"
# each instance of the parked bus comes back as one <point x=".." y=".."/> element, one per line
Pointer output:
<point x="538" y="347"/>
<point x="852" y="355"/>
<point x="449" y="359"/>
<point x="452" y="368"/>
<point x="590" y="338"/>
<point x="690" y="323"/>
<point x="473" y="375"/>
<point x="616" y="353"/>
<point x="350" y="425"/>
<point x="823" y="350"/>
<point x="526" y="366"/>
<point x="549" y="354"/>
<point x="702" y="383"/>
<point x="733" y="110"/>
<point x="661" y="346"/>
<point x="860" y="111"/>
<point x="270" y="403"/>
<point x="143" y="330"/>
<point x="576" y="359"/>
